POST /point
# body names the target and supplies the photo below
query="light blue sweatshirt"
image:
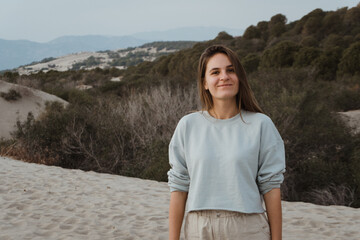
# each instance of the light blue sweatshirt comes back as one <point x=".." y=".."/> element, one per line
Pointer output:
<point x="226" y="164"/>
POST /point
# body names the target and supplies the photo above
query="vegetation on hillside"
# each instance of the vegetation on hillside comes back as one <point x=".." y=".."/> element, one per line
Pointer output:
<point x="302" y="73"/>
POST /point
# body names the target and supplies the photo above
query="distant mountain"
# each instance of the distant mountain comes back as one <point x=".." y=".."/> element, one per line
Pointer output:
<point x="14" y="53"/>
<point x="21" y="52"/>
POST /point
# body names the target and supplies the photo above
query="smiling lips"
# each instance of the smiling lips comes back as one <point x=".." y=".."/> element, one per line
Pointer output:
<point x="225" y="85"/>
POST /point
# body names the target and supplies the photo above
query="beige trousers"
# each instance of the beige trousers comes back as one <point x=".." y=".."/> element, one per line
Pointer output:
<point x="226" y="225"/>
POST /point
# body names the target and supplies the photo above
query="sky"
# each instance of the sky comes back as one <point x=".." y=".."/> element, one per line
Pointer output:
<point x="45" y="20"/>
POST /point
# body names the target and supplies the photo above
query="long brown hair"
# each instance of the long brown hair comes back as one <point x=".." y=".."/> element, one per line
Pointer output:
<point x="245" y="98"/>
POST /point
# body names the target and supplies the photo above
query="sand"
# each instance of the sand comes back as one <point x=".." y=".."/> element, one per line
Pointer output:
<point x="352" y="119"/>
<point x="32" y="100"/>
<point x="47" y="202"/>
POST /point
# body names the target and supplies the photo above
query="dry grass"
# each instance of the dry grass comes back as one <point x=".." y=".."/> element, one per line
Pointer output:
<point x="333" y="195"/>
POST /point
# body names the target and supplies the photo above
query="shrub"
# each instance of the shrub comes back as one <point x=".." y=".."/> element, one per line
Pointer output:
<point x="347" y="99"/>
<point x="252" y="32"/>
<point x="251" y="62"/>
<point x="224" y="36"/>
<point x="327" y="63"/>
<point x="11" y="76"/>
<point x="309" y="41"/>
<point x="11" y="95"/>
<point x="350" y="61"/>
<point x="281" y="55"/>
<point x="276" y="25"/>
<point x="332" y="195"/>
<point x="311" y="26"/>
<point x="334" y="40"/>
<point x="305" y="56"/>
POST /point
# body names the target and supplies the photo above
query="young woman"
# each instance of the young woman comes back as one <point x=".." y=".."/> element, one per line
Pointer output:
<point x="226" y="160"/>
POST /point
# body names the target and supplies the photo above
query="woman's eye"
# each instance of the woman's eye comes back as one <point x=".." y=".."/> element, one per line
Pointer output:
<point x="231" y="70"/>
<point x="215" y="72"/>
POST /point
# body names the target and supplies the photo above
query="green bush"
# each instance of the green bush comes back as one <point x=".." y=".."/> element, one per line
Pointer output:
<point x="309" y="41"/>
<point x="327" y="63"/>
<point x="224" y="36"/>
<point x="347" y="99"/>
<point x="350" y="61"/>
<point x="305" y="56"/>
<point x="251" y="62"/>
<point x="281" y="55"/>
<point x="277" y="25"/>
<point x="157" y="155"/>
<point x="334" y="40"/>
<point x="11" y="95"/>
<point x="252" y="32"/>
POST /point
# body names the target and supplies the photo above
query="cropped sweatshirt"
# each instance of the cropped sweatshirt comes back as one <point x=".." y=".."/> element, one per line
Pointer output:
<point x="226" y="164"/>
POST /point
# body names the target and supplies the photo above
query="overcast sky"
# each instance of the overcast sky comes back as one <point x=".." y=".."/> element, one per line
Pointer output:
<point x="44" y="20"/>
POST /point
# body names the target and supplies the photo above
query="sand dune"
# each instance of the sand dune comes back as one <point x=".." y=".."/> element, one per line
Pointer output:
<point x="31" y="100"/>
<point x="47" y="202"/>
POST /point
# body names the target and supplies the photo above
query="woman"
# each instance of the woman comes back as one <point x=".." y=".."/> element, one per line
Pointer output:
<point x="226" y="160"/>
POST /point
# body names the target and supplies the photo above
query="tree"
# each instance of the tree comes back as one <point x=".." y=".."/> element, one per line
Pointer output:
<point x="281" y="55"/>
<point x="252" y="32"/>
<point x="352" y="17"/>
<point x="311" y="26"/>
<point x="305" y="56"/>
<point x="327" y="63"/>
<point x="224" y="36"/>
<point x="350" y="61"/>
<point x="251" y="62"/>
<point x="309" y="41"/>
<point x="263" y="28"/>
<point x="277" y="25"/>
<point x="334" y="40"/>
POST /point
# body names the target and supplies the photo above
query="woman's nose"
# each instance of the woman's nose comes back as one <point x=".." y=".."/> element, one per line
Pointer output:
<point x="224" y="75"/>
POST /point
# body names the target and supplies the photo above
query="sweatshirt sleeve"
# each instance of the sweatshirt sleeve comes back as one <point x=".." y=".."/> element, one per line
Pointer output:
<point x="178" y="176"/>
<point x="271" y="158"/>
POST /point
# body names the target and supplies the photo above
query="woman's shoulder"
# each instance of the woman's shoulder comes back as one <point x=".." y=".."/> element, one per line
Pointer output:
<point x="266" y="124"/>
<point x="191" y="117"/>
<point x="256" y="116"/>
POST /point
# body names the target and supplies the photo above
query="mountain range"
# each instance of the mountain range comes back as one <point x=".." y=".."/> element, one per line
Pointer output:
<point x="14" y="53"/>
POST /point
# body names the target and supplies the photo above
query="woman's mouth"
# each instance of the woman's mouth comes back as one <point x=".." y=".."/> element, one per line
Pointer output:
<point x="225" y="85"/>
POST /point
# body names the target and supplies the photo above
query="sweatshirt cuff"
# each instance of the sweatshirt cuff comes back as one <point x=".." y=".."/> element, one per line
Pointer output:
<point x="178" y="181"/>
<point x="274" y="182"/>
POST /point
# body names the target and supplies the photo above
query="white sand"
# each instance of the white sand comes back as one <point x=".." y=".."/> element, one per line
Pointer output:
<point x="46" y="202"/>
<point x="352" y="119"/>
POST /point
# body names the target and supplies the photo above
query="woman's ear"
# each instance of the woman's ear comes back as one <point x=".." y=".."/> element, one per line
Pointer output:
<point x="206" y="85"/>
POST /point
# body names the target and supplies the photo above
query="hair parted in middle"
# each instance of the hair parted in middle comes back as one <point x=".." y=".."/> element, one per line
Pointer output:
<point x="245" y="98"/>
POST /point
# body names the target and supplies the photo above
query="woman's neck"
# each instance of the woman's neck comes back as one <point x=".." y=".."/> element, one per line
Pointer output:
<point x="224" y="109"/>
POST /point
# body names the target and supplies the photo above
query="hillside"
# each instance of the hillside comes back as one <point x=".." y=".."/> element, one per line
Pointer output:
<point x="301" y="73"/>
<point x="16" y="107"/>
<point x="120" y="59"/>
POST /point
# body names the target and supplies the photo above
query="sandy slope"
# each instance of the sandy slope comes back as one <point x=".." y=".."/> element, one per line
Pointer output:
<point x="32" y="100"/>
<point x="47" y="202"/>
<point x="352" y="119"/>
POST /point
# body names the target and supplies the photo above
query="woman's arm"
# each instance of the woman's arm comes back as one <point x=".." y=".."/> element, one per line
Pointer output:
<point x="176" y="213"/>
<point x="274" y="212"/>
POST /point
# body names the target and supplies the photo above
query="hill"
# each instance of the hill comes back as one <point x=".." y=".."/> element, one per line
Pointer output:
<point x="120" y="59"/>
<point x="17" y="101"/>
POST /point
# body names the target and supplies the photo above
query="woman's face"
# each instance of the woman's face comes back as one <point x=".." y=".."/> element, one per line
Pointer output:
<point x="220" y="78"/>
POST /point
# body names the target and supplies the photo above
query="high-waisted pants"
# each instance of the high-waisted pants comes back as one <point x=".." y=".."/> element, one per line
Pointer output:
<point x="226" y="225"/>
